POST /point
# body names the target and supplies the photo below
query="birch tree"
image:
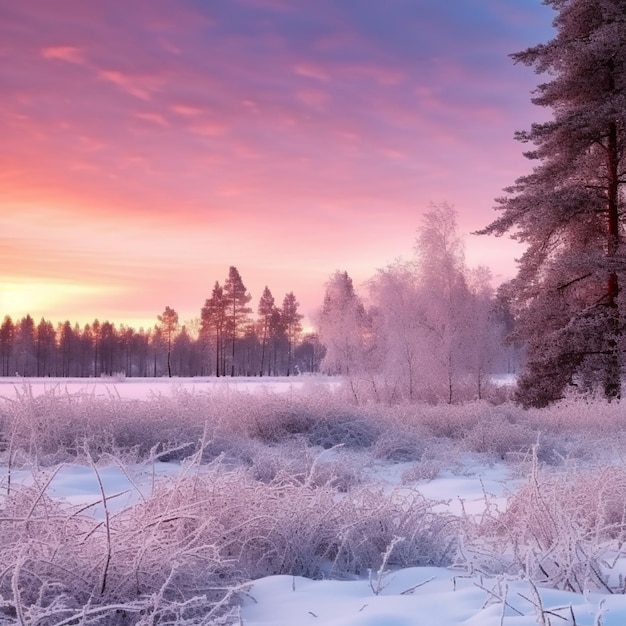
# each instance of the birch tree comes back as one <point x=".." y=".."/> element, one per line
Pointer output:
<point x="444" y="294"/>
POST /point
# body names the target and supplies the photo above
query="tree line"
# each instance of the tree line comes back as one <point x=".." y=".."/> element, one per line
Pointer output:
<point x="226" y="340"/>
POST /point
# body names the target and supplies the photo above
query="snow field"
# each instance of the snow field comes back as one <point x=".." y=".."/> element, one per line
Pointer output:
<point x="220" y="502"/>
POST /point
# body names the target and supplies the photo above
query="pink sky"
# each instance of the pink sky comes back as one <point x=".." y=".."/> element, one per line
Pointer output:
<point x="149" y="145"/>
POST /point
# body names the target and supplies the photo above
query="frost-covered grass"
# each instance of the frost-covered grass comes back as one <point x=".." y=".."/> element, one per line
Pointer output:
<point x="163" y="510"/>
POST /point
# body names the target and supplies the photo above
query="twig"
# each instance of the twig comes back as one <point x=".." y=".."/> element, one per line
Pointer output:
<point x="503" y="600"/>
<point x="16" y="589"/>
<point x="414" y="587"/>
<point x="107" y="560"/>
<point x="382" y="570"/>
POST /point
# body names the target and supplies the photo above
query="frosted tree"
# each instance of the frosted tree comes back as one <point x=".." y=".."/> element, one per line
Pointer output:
<point x="292" y="321"/>
<point x="343" y="325"/>
<point x="265" y="310"/>
<point x="434" y="329"/>
<point x="444" y="293"/>
<point x="400" y="337"/>
<point x="168" y="321"/>
<point x="237" y="309"/>
<point x="569" y="210"/>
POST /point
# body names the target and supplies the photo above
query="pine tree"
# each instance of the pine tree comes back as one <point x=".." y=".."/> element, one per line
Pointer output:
<point x="213" y="321"/>
<point x="569" y="210"/>
<point x="7" y="337"/>
<point x="237" y="311"/>
<point x="265" y="310"/>
<point x="25" y="348"/>
<point x="293" y="327"/>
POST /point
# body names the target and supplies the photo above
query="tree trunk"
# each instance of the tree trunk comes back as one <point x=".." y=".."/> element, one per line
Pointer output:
<point x="612" y="381"/>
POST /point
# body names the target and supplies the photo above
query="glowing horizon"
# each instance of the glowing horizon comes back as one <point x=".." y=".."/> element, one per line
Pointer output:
<point x="147" y="148"/>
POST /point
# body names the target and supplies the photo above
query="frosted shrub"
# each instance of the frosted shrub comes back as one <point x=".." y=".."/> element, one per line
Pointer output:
<point x="323" y="420"/>
<point x="422" y="470"/>
<point x="561" y="530"/>
<point x="450" y="421"/>
<point x="272" y="421"/>
<point x="52" y="427"/>
<point x="287" y="527"/>
<point x="294" y="462"/>
<point x="344" y="428"/>
<point x="399" y="445"/>
<point x="495" y="434"/>
<point x="184" y="551"/>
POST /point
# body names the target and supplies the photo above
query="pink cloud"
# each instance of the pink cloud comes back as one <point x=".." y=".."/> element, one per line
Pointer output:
<point x="209" y="129"/>
<point x="313" y="97"/>
<point x="153" y="118"/>
<point x="70" y="54"/>
<point x="311" y="70"/>
<point x="140" y="87"/>
<point x="187" y="110"/>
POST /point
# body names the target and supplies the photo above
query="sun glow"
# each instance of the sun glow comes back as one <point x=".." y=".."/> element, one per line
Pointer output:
<point x="38" y="297"/>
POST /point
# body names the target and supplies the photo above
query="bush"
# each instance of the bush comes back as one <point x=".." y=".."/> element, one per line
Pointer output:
<point x="560" y="530"/>
<point x="186" y="549"/>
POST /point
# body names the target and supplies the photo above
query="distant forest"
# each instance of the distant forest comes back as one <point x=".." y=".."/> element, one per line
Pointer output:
<point x="225" y="340"/>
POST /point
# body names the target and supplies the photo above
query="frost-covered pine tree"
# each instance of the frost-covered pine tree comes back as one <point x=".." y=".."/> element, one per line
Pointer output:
<point x="570" y="209"/>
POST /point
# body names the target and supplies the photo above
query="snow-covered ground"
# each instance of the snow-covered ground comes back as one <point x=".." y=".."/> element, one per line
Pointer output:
<point x="141" y="388"/>
<point x="463" y="593"/>
<point x="425" y="596"/>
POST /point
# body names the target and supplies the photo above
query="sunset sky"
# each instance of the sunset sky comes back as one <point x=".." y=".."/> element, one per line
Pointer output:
<point x="148" y="145"/>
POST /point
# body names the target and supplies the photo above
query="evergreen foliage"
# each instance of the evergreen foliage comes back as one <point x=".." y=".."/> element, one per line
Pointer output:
<point x="570" y="209"/>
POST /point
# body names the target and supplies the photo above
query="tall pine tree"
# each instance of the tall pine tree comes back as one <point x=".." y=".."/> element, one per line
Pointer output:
<point x="265" y="311"/>
<point x="569" y="210"/>
<point x="213" y="323"/>
<point x="237" y="309"/>
<point x="293" y="326"/>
